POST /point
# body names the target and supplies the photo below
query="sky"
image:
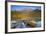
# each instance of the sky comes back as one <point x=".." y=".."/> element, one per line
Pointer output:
<point x="20" y="7"/>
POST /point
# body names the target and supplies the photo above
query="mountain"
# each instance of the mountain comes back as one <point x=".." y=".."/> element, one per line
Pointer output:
<point x="25" y="13"/>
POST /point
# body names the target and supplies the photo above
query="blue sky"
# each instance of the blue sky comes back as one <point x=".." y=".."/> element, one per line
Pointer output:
<point x="20" y="7"/>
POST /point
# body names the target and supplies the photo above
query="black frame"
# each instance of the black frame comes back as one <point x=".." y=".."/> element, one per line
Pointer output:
<point x="22" y="31"/>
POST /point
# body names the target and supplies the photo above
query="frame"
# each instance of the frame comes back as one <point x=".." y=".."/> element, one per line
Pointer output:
<point x="8" y="17"/>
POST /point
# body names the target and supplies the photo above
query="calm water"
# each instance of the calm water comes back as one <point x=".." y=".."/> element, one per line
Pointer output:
<point x="38" y="24"/>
